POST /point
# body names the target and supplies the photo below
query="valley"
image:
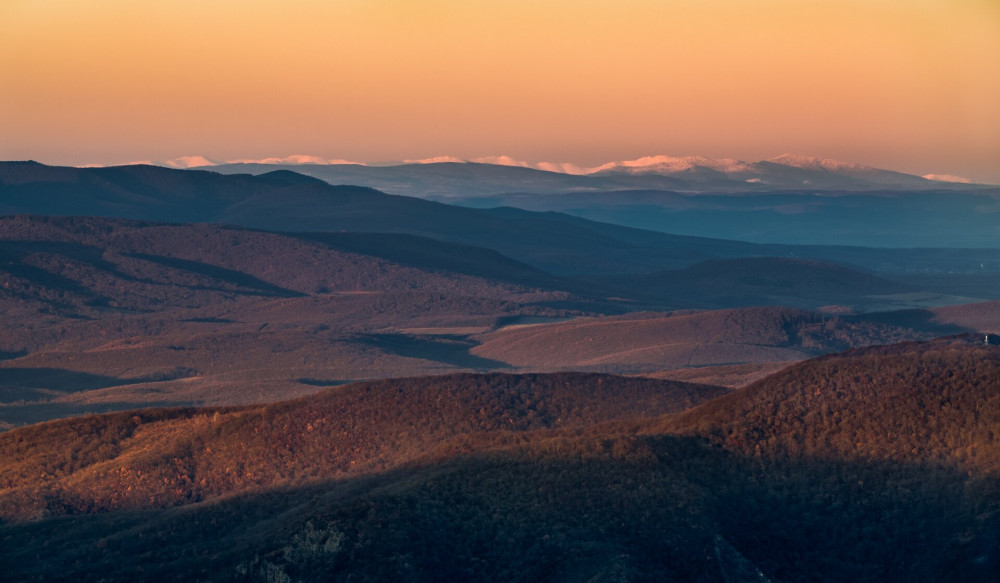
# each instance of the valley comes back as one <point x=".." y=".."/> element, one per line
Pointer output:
<point x="107" y="314"/>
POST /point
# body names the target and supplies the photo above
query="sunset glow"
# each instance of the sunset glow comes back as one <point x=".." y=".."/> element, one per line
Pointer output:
<point x="907" y="85"/>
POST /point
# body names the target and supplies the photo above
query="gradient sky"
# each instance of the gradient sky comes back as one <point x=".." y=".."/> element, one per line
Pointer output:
<point x="911" y="85"/>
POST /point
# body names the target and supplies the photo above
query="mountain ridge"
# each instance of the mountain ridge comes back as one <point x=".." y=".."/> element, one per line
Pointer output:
<point x="656" y="164"/>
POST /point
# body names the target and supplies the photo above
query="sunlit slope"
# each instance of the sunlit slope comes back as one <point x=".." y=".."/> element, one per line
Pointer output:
<point x="646" y="342"/>
<point x="872" y="465"/>
<point x="156" y="458"/>
<point x="936" y="403"/>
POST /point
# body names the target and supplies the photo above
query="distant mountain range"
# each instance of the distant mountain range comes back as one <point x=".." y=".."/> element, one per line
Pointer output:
<point x="450" y="176"/>
<point x="281" y="200"/>
<point x="788" y="199"/>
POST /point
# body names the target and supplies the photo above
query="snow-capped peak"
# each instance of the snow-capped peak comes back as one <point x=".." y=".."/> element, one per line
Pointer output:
<point x="560" y="167"/>
<point x="502" y="161"/>
<point x="296" y="159"/>
<point x="668" y="164"/>
<point x="187" y="162"/>
<point x="777" y="171"/>
<point x="949" y="178"/>
<point x="436" y="160"/>
<point x="814" y="163"/>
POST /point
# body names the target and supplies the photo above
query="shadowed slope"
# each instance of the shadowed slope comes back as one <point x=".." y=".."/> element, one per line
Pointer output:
<point x="875" y="429"/>
<point x="201" y="257"/>
<point x="770" y="280"/>
<point x="941" y="217"/>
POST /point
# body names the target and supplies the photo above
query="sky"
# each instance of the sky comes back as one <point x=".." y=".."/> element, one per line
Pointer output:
<point x="909" y="85"/>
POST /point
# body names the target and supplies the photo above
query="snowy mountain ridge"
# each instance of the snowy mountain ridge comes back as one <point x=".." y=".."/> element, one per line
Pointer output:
<point x="784" y="169"/>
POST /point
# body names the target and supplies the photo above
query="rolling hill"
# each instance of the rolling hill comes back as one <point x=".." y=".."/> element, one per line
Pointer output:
<point x="90" y="260"/>
<point x="337" y="433"/>
<point x="874" y="465"/>
<point x="933" y="402"/>
<point x="649" y="342"/>
<point x="106" y="314"/>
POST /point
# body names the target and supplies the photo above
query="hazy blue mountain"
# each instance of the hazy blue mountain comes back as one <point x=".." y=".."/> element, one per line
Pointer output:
<point x="554" y="242"/>
<point x="927" y="218"/>
<point x="447" y="180"/>
<point x="789" y="199"/>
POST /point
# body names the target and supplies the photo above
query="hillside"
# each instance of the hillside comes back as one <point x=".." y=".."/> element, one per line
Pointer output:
<point x="982" y="317"/>
<point x="648" y="342"/>
<point x="104" y="314"/>
<point x="873" y="465"/>
<point x="931" y="403"/>
<point x="123" y="460"/>
<point x="108" y="314"/>
<point x="88" y="261"/>
<point x="907" y="431"/>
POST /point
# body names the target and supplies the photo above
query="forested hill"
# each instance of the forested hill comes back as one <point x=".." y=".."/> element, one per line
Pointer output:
<point x="934" y="402"/>
<point x="157" y="458"/>
<point x="874" y="465"/>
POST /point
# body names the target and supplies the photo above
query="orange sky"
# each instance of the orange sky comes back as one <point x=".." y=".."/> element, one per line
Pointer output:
<point x="912" y="85"/>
